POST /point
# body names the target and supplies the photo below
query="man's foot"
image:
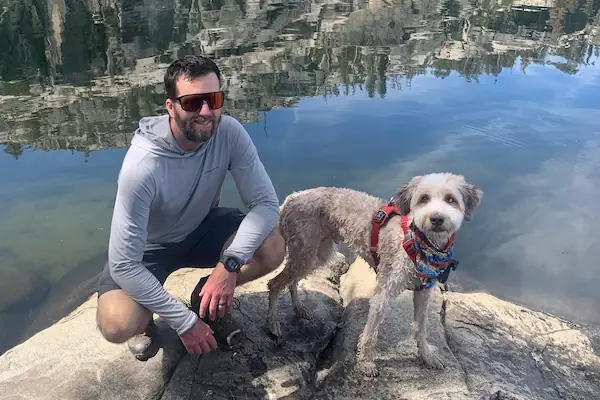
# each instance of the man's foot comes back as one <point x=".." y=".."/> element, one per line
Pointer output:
<point x="145" y="345"/>
<point x="227" y="332"/>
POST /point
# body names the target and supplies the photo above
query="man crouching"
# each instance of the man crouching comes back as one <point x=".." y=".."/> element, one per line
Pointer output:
<point x="167" y="216"/>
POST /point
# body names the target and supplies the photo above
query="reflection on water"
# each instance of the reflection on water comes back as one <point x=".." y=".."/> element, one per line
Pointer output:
<point x="351" y="93"/>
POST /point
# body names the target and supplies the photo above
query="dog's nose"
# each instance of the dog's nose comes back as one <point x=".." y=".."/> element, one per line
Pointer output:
<point x="436" y="220"/>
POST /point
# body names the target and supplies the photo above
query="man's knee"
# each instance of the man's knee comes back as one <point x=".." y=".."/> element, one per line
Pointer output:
<point x="114" y="332"/>
<point x="271" y="252"/>
<point x="118" y="322"/>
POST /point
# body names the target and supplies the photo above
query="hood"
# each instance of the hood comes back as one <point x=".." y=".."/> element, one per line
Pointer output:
<point x="154" y="134"/>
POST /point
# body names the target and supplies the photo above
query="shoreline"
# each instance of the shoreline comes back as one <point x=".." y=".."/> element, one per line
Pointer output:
<point x="65" y="296"/>
<point x="77" y="287"/>
<point x="490" y="349"/>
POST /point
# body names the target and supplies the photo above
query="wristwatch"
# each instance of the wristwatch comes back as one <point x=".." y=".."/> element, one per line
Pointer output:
<point x="231" y="263"/>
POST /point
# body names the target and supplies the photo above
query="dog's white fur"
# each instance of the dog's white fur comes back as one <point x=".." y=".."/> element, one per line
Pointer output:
<point x="314" y="220"/>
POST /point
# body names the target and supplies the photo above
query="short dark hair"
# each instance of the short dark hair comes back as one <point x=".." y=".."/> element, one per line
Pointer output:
<point x="189" y="67"/>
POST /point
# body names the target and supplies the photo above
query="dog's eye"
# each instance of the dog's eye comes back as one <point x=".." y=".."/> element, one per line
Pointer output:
<point x="449" y="199"/>
<point x="424" y="199"/>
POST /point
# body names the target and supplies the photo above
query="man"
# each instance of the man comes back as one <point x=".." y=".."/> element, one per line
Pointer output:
<point x="167" y="216"/>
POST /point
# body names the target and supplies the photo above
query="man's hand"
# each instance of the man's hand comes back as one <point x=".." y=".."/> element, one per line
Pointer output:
<point x="199" y="339"/>
<point x="217" y="293"/>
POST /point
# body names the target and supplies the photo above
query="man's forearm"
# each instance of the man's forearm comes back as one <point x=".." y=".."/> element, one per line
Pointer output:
<point x="126" y="250"/>
<point x="146" y="290"/>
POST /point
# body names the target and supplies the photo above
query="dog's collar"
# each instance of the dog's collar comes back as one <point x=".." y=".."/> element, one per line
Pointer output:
<point x="431" y="263"/>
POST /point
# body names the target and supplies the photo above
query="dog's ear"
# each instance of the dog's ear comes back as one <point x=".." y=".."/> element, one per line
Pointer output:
<point x="472" y="196"/>
<point x="404" y="194"/>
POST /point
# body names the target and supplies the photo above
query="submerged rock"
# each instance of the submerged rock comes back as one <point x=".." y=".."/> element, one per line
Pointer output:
<point x="22" y="290"/>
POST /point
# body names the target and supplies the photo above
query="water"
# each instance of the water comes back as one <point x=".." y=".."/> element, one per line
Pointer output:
<point x="357" y="94"/>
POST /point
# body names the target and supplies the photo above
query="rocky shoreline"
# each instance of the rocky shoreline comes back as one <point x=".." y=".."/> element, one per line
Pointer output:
<point x="492" y="349"/>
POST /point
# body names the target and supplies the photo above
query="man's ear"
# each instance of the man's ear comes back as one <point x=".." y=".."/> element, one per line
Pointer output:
<point x="170" y="106"/>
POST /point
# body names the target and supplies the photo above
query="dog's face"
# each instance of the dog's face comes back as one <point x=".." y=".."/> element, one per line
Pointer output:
<point x="439" y="203"/>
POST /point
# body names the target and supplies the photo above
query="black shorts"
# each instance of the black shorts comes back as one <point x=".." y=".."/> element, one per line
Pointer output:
<point x="201" y="249"/>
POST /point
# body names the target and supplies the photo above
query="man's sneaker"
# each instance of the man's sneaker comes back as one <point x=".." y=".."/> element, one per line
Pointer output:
<point x="227" y="332"/>
<point x="145" y="345"/>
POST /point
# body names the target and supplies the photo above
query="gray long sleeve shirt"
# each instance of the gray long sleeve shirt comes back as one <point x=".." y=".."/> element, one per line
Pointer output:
<point x="164" y="193"/>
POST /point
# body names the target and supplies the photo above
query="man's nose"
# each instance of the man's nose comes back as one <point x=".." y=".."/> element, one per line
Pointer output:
<point x="205" y="109"/>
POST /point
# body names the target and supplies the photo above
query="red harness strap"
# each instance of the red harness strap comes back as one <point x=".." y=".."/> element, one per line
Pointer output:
<point x="380" y="218"/>
<point x="409" y="241"/>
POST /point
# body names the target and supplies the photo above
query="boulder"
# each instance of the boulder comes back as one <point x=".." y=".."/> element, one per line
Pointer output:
<point x="492" y="349"/>
<point x="263" y="367"/>
<point x="71" y="360"/>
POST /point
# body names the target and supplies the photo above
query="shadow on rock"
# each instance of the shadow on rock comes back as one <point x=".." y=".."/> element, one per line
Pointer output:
<point x="261" y="366"/>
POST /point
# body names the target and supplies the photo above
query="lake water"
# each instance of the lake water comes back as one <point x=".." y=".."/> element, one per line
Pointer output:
<point x="362" y="94"/>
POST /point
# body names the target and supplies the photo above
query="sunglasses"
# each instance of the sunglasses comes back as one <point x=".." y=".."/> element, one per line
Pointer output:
<point x="194" y="102"/>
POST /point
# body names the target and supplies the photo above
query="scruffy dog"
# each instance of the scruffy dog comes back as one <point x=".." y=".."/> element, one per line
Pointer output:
<point x="314" y="221"/>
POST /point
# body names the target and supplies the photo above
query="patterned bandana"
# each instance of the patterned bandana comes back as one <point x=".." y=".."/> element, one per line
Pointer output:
<point x="431" y="263"/>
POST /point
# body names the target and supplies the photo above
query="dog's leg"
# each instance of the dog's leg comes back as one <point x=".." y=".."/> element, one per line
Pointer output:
<point x="322" y="256"/>
<point x="300" y="262"/>
<point x="421" y="299"/>
<point x="338" y="263"/>
<point x="368" y="338"/>
<point x="378" y="305"/>
<point x="301" y="310"/>
<point x="276" y="286"/>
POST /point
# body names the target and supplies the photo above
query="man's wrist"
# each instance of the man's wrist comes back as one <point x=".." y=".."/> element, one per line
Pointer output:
<point x="231" y="263"/>
<point x="188" y="324"/>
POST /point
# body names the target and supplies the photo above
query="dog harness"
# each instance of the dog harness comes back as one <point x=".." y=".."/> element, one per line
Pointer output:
<point x="431" y="263"/>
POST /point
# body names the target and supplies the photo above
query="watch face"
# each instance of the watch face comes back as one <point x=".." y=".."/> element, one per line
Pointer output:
<point x="232" y="264"/>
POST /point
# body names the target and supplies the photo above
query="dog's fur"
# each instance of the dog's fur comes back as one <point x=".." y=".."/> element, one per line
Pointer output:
<point x="314" y="221"/>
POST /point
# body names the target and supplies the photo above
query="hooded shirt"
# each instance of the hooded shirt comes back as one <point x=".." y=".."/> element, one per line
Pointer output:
<point x="164" y="193"/>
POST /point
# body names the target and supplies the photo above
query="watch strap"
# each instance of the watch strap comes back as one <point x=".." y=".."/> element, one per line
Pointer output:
<point x="231" y="263"/>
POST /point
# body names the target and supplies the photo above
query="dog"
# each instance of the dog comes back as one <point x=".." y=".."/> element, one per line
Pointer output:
<point x="431" y="208"/>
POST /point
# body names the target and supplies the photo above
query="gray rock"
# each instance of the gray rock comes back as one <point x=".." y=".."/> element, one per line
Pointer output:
<point x="71" y="360"/>
<point x="264" y="367"/>
<point x="506" y="349"/>
<point x="492" y="350"/>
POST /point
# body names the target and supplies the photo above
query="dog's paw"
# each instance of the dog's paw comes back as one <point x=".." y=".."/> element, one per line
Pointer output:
<point x="303" y="312"/>
<point x="367" y="368"/>
<point x="274" y="327"/>
<point x="431" y="359"/>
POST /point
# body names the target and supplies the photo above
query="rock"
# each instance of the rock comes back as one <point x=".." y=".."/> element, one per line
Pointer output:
<point x="264" y="367"/>
<point x="492" y="350"/>
<point x="401" y="371"/>
<point x="71" y="360"/>
<point x="504" y="348"/>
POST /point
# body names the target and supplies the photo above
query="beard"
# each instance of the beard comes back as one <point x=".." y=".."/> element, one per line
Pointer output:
<point x="197" y="129"/>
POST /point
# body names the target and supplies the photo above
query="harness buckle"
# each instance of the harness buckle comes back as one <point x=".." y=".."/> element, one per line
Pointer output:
<point x="379" y="216"/>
